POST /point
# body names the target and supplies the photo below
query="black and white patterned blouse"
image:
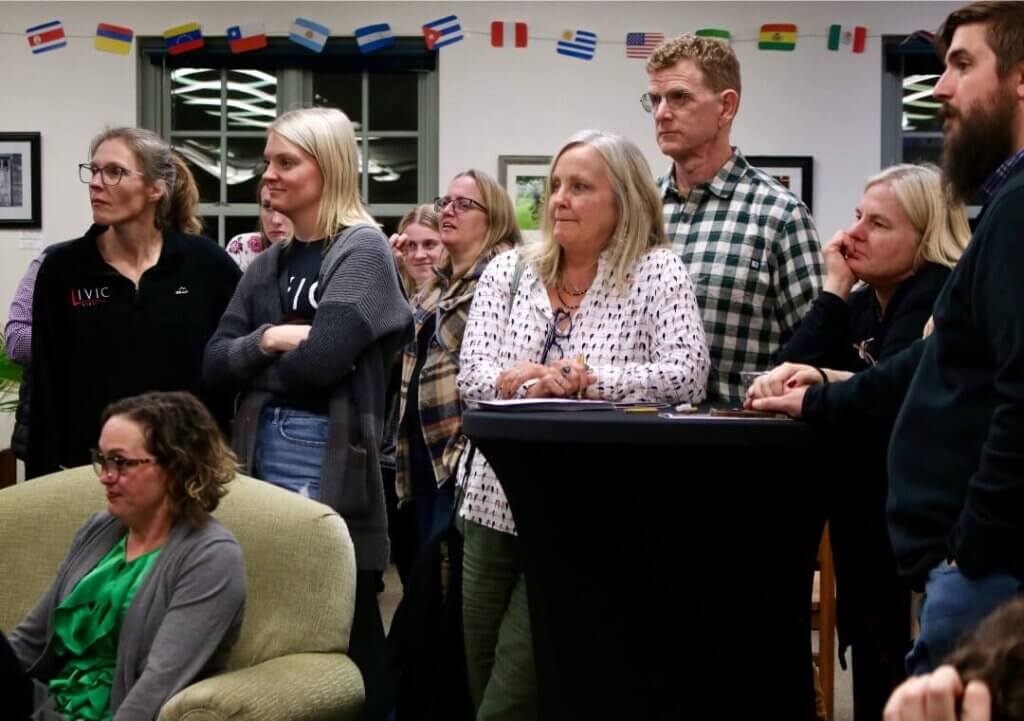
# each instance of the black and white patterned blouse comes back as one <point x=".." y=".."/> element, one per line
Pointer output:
<point x="643" y="340"/>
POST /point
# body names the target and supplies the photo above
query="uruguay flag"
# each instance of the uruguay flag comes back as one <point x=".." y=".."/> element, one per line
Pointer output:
<point x="243" y="38"/>
<point x="374" y="37"/>
<point x="441" y="32"/>
<point x="580" y="44"/>
<point x="48" y="36"/>
<point x="309" y="34"/>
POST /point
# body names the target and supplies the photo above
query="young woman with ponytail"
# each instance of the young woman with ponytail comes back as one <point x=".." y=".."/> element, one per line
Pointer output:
<point x="128" y="307"/>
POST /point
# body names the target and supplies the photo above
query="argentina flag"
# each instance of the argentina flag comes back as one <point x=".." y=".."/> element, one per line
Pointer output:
<point x="580" y="44"/>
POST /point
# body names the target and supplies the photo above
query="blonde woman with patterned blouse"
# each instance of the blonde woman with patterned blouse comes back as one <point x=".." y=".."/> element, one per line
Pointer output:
<point x="600" y="307"/>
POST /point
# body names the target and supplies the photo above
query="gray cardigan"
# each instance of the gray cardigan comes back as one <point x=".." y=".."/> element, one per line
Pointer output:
<point x="182" y="622"/>
<point x="361" y="322"/>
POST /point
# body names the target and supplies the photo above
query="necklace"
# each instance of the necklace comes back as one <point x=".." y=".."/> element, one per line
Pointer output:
<point x="571" y="289"/>
<point x="565" y="304"/>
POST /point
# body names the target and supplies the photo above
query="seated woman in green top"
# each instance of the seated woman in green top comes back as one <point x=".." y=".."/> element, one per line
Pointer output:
<point x="150" y="597"/>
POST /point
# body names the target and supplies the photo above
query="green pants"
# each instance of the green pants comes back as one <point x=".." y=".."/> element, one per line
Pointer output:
<point x="496" y="623"/>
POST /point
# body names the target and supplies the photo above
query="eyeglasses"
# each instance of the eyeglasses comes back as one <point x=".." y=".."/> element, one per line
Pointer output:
<point x="115" y="465"/>
<point x="459" y="204"/>
<point x="111" y="175"/>
<point x="676" y="99"/>
<point x="559" y="332"/>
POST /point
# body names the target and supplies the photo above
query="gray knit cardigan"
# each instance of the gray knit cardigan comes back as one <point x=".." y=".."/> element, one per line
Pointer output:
<point x="179" y="628"/>
<point x="362" y="321"/>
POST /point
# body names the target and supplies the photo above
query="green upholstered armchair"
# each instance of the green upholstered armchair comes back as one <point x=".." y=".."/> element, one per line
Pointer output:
<point x="290" y="661"/>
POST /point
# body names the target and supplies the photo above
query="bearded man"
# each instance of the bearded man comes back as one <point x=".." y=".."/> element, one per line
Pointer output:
<point x="956" y="458"/>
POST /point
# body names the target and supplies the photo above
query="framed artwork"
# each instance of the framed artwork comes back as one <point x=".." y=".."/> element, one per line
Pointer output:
<point x="796" y="172"/>
<point x="525" y="178"/>
<point x="21" y="197"/>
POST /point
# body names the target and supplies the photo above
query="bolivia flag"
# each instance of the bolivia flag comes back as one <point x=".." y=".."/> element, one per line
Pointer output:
<point x="113" y="39"/>
<point x="243" y="38"/>
<point x="183" y="38"/>
<point x="778" y="36"/>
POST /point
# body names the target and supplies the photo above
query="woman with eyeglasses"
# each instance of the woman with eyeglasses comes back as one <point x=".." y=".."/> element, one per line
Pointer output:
<point x="309" y="341"/>
<point x="273" y="228"/>
<point x="129" y="306"/>
<point x="150" y="596"/>
<point x="600" y="308"/>
<point x="883" y="275"/>
<point x="478" y="222"/>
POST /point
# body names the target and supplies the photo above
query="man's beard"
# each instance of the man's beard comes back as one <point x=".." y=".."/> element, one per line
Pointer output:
<point x="983" y="139"/>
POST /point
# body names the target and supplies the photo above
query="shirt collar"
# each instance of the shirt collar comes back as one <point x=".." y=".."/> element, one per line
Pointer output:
<point x="722" y="184"/>
<point x="171" y="248"/>
<point x="998" y="179"/>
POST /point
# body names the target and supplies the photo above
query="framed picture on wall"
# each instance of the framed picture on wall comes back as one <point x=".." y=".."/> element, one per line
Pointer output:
<point x="21" y="197"/>
<point x="525" y="177"/>
<point x="796" y="172"/>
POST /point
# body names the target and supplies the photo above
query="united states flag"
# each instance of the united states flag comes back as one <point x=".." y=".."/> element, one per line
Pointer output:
<point x="640" y="45"/>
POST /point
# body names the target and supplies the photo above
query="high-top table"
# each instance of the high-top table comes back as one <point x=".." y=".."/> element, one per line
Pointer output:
<point x="668" y="561"/>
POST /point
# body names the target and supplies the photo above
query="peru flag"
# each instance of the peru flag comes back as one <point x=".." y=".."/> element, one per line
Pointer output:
<point x="503" y="33"/>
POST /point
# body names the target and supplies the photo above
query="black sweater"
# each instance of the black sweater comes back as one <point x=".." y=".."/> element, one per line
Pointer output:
<point x="97" y="339"/>
<point x="956" y="459"/>
<point x="828" y="334"/>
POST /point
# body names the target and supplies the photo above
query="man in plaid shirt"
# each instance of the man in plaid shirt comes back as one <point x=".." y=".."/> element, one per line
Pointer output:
<point x="749" y="244"/>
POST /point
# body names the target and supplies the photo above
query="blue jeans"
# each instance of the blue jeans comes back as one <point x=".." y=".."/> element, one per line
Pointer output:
<point x="952" y="605"/>
<point x="290" y="447"/>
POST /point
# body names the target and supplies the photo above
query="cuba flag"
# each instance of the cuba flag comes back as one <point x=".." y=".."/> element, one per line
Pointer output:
<point x="442" y="32"/>
<point x="247" y="37"/>
<point x="580" y="44"/>
<point x="309" y="34"/>
<point x="183" y="38"/>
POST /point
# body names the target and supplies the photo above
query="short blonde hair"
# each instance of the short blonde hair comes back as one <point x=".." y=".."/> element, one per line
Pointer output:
<point x="327" y="135"/>
<point x="942" y="222"/>
<point x="640" y="225"/>
<point x="716" y="60"/>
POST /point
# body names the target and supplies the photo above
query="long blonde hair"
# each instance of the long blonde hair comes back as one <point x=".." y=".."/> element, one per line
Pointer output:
<point x="426" y="216"/>
<point x="941" y="221"/>
<point x="327" y="135"/>
<point x="640" y="226"/>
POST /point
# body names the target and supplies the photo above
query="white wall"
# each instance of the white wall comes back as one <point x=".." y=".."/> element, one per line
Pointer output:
<point x="492" y="102"/>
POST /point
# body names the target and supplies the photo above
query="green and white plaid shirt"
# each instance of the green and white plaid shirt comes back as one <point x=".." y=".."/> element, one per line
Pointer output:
<point x="752" y="251"/>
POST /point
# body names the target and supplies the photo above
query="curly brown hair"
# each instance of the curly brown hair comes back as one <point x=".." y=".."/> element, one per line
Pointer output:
<point x="716" y="60"/>
<point x="994" y="653"/>
<point x="187" y="443"/>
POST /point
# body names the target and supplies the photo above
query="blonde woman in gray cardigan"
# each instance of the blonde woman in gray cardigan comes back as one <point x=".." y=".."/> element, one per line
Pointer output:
<point x="309" y="340"/>
<point x="150" y="597"/>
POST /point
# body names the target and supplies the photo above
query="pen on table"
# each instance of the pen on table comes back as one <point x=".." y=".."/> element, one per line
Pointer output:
<point x="642" y="409"/>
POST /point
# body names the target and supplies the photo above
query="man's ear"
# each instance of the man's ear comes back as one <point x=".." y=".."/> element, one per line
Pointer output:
<point x="730" y="104"/>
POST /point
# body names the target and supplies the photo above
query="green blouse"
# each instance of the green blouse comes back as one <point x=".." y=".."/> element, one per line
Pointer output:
<point x="87" y="625"/>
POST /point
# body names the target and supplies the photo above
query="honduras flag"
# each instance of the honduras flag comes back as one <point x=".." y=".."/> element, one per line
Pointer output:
<point x="309" y="34"/>
<point x="441" y="32"/>
<point x="580" y="44"/>
<point x="374" y="37"/>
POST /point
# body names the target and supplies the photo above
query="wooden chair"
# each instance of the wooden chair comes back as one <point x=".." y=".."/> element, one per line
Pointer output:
<point x="823" y="620"/>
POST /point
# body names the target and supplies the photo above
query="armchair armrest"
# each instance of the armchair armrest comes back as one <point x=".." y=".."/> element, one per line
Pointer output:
<point x="298" y="687"/>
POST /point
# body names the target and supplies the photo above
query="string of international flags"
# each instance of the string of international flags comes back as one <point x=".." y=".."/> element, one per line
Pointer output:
<point x="437" y="34"/>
